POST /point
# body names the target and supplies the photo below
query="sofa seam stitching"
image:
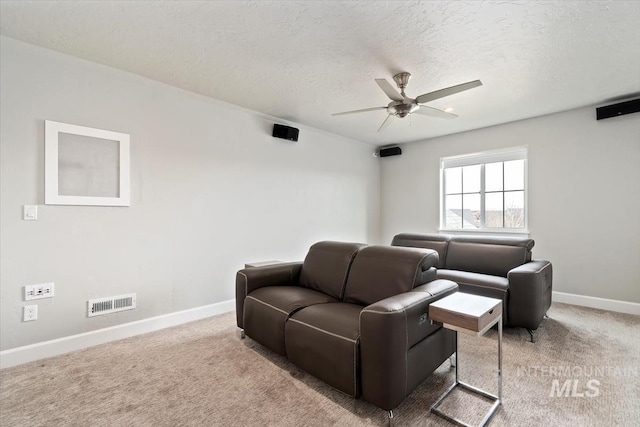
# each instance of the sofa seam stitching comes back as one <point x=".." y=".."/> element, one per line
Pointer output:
<point x="245" y="283"/>
<point x="321" y="330"/>
<point x="526" y="272"/>
<point x="355" y="373"/>
<point x="268" y="305"/>
<point x="403" y="309"/>
<point x="406" y="352"/>
<point x="343" y="291"/>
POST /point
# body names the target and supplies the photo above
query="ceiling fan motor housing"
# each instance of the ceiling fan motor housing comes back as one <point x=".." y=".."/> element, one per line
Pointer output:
<point x="402" y="108"/>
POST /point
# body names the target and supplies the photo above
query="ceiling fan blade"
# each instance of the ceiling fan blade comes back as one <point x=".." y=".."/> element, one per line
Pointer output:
<point x="386" y="122"/>
<point x="447" y="91"/>
<point x="391" y="92"/>
<point x="359" y="111"/>
<point x="434" y="112"/>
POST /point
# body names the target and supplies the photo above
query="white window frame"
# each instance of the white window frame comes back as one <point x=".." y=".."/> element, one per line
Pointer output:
<point x="482" y="158"/>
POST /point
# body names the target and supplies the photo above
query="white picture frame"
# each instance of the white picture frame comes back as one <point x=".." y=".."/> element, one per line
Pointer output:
<point x="86" y="166"/>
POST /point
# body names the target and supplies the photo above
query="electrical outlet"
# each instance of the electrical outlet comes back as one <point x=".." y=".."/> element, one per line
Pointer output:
<point x="30" y="313"/>
<point x="43" y="290"/>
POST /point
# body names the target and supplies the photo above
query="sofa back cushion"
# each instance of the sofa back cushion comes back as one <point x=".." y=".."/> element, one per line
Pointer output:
<point x="379" y="272"/>
<point x="326" y="267"/>
<point x="487" y="255"/>
<point x="436" y="242"/>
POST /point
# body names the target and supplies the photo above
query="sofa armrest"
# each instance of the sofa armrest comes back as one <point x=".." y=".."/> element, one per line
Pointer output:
<point x="250" y="279"/>
<point x="388" y="329"/>
<point x="530" y="287"/>
<point x="437" y="288"/>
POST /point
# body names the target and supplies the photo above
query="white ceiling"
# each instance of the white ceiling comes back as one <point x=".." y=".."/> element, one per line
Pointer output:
<point x="302" y="61"/>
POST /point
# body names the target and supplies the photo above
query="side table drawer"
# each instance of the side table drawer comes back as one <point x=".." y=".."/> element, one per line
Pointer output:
<point x="466" y="312"/>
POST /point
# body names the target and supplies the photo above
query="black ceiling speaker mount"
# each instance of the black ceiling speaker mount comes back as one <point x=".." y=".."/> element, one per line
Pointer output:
<point x="390" y="151"/>
<point x="619" y="109"/>
<point x="285" y="132"/>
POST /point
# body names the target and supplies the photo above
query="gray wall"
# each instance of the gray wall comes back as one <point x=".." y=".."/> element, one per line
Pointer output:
<point x="211" y="190"/>
<point x="584" y="195"/>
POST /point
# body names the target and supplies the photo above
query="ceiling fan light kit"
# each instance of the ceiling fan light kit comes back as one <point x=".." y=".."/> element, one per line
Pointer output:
<point x="401" y="105"/>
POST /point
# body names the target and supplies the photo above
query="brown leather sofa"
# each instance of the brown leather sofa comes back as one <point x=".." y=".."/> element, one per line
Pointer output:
<point x="354" y="316"/>
<point x="497" y="267"/>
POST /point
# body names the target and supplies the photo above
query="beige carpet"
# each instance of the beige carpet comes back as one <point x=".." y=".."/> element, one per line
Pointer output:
<point x="201" y="374"/>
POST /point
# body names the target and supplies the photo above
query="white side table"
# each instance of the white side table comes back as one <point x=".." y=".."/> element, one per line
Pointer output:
<point x="469" y="314"/>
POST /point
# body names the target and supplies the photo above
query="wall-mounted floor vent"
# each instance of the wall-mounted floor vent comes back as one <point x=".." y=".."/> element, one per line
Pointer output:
<point x="97" y="307"/>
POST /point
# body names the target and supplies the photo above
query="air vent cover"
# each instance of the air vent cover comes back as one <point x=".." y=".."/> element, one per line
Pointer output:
<point x="100" y="306"/>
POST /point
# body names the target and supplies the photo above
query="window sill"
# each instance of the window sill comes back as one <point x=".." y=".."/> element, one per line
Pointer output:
<point x="485" y="232"/>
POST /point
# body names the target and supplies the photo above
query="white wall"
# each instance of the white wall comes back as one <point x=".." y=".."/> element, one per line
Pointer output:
<point x="211" y="190"/>
<point x="584" y="195"/>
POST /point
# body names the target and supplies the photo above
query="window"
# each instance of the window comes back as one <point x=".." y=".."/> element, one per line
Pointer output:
<point x="484" y="191"/>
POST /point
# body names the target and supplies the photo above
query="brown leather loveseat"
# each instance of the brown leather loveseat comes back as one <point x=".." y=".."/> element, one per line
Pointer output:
<point x="496" y="267"/>
<point x="354" y="316"/>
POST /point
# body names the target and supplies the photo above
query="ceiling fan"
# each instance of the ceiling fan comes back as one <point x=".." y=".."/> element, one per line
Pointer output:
<point x="401" y="105"/>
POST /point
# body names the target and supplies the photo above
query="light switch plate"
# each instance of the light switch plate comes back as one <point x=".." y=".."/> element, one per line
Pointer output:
<point x="30" y="213"/>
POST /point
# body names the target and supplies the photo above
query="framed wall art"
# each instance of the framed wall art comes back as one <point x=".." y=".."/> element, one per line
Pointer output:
<point x="86" y="166"/>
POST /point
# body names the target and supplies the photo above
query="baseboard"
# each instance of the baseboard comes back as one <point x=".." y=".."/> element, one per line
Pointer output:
<point x="29" y="353"/>
<point x="595" y="302"/>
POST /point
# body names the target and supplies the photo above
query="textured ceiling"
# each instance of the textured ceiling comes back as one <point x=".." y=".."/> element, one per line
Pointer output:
<point x="302" y="61"/>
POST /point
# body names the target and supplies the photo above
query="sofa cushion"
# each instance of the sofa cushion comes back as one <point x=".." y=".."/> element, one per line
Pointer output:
<point x="323" y="340"/>
<point x="436" y="242"/>
<point x="480" y="284"/>
<point x="379" y="272"/>
<point x="487" y="255"/>
<point x="326" y="267"/>
<point x="476" y="279"/>
<point x="267" y="309"/>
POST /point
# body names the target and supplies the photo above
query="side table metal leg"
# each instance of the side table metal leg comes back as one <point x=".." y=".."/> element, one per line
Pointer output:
<point x="457" y="357"/>
<point x="500" y="362"/>
<point x="497" y="400"/>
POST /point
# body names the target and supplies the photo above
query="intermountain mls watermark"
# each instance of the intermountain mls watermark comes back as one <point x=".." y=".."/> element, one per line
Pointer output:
<point x="576" y="381"/>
